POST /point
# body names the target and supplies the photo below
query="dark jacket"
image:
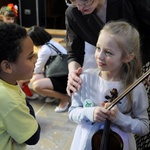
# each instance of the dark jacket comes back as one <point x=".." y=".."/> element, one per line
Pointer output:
<point x="81" y="28"/>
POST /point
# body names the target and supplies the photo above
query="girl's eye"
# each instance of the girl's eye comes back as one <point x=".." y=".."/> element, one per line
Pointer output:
<point x="108" y="53"/>
<point x="98" y="48"/>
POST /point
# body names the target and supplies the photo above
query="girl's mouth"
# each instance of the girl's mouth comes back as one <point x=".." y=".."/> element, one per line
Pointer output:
<point x="101" y="63"/>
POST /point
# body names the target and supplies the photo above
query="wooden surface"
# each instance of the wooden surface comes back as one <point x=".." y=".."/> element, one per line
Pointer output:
<point x="55" y="32"/>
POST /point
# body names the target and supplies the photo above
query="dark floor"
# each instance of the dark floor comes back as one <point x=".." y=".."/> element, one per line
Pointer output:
<point x="56" y="128"/>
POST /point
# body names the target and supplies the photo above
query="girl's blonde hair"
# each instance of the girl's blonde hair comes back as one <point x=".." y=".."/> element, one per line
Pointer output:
<point x="10" y="10"/>
<point x="128" y="40"/>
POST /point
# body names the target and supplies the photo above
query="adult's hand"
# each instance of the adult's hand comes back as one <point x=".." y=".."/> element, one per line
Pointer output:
<point x="74" y="81"/>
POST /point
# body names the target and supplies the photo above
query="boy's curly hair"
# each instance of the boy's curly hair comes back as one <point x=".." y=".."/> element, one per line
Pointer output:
<point x="11" y="36"/>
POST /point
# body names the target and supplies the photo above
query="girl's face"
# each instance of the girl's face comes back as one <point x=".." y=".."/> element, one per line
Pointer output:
<point x="108" y="55"/>
<point x="23" y="68"/>
<point x="8" y="19"/>
<point x="86" y="6"/>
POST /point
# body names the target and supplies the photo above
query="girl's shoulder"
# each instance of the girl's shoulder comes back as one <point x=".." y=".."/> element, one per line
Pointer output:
<point x="140" y="88"/>
<point x="90" y="73"/>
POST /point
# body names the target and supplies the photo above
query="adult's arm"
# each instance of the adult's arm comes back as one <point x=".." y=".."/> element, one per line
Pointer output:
<point x="43" y="55"/>
<point x="74" y="44"/>
<point x="80" y="28"/>
<point x="142" y="10"/>
<point x="75" y="48"/>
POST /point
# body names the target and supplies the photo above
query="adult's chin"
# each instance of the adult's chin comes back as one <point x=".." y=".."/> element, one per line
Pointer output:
<point x="87" y="11"/>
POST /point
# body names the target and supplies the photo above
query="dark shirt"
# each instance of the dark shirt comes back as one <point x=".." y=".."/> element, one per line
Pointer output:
<point x="81" y="28"/>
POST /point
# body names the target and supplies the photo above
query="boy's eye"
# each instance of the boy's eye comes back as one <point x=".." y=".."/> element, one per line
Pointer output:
<point x="31" y="57"/>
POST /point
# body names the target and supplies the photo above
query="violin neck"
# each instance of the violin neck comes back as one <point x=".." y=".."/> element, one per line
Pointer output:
<point x="126" y="91"/>
<point x="105" y="135"/>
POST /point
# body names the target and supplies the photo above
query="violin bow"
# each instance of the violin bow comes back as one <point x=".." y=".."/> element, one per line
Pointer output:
<point x="123" y="94"/>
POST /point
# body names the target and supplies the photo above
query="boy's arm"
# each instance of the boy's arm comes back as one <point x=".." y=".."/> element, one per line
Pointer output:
<point x="36" y="136"/>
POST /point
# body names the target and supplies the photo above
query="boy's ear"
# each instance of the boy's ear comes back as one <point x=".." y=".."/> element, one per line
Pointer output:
<point x="6" y="66"/>
<point x="128" y="58"/>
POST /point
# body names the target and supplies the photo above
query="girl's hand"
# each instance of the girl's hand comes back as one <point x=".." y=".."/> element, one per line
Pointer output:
<point x="113" y="112"/>
<point x="100" y="114"/>
<point x="74" y="81"/>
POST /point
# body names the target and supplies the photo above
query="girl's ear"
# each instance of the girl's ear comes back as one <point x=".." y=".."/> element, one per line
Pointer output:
<point x="128" y="58"/>
<point x="6" y="66"/>
<point x="1" y="17"/>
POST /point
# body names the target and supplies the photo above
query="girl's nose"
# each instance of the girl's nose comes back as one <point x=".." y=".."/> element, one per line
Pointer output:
<point x="101" y="56"/>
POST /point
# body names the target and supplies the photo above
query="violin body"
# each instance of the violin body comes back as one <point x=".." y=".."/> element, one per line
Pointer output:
<point x="114" y="143"/>
<point x="107" y="139"/>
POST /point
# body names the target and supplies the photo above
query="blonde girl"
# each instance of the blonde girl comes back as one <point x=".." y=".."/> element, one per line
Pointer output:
<point x="119" y="64"/>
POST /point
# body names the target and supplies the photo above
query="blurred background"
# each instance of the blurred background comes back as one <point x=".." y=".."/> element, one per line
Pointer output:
<point x="45" y="13"/>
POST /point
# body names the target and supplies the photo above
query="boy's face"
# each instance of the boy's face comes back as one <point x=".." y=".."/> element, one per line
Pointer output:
<point x="8" y="19"/>
<point x="23" y="68"/>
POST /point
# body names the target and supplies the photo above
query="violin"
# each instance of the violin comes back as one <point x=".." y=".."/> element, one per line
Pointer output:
<point x="107" y="139"/>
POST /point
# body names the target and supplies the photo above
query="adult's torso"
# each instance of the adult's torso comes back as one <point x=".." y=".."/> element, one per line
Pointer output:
<point x="87" y="27"/>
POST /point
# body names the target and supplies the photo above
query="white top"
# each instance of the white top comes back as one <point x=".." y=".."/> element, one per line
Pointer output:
<point x="127" y="123"/>
<point x="44" y="53"/>
<point x="89" y="57"/>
